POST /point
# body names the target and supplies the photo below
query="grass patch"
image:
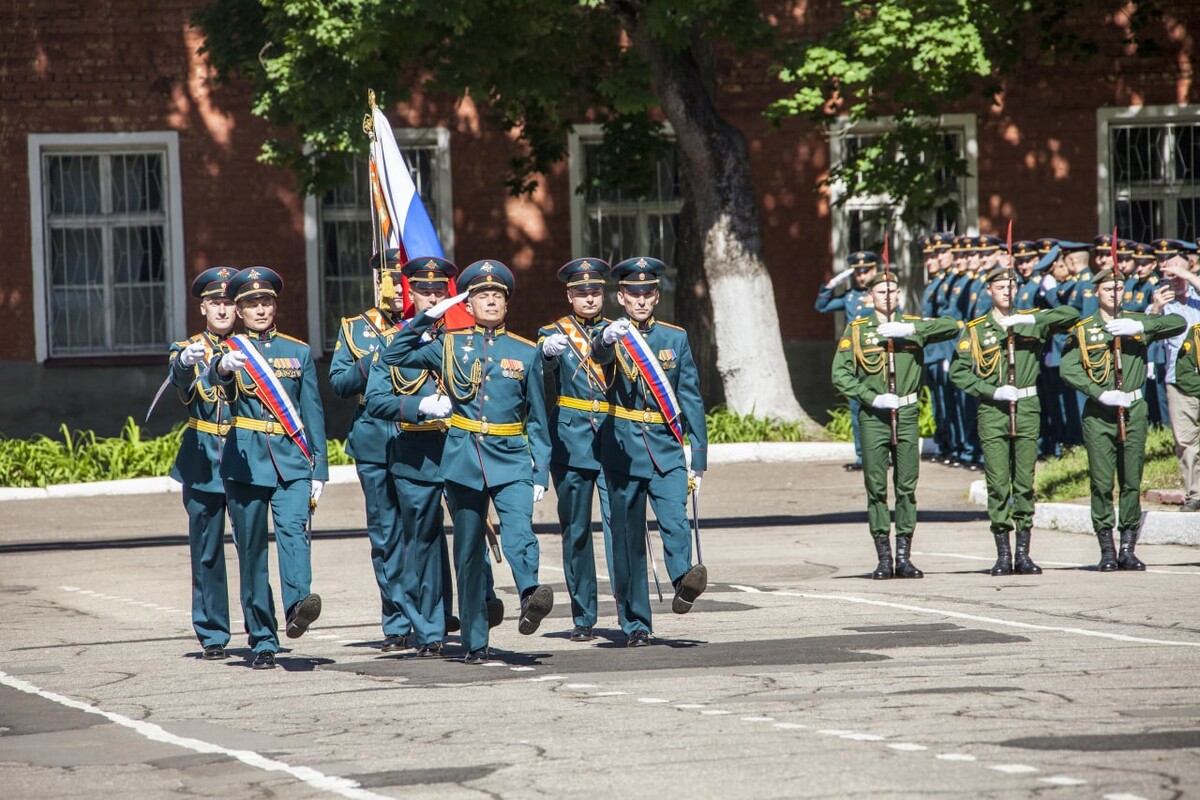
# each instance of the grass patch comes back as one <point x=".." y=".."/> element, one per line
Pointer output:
<point x="839" y="425"/>
<point x="726" y="427"/>
<point x="1066" y="477"/>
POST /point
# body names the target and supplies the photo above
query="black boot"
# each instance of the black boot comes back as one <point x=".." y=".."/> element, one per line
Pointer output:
<point x="1126" y="559"/>
<point x="904" y="567"/>
<point x="883" y="548"/>
<point x="1023" y="564"/>
<point x="1004" y="562"/>
<point x="1108" y="556"/>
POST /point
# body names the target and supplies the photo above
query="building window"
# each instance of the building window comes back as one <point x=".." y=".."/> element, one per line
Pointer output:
<point x="107" y="244"/>
<point x="608" y="224"/>
<point x="1148" y="182"/>
<point x="345" y="239"/>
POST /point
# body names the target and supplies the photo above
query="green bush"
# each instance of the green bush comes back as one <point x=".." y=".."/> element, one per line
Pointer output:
<point x="725" y="427"/>
<point x="840" y="430"/>
<point x="1066" y="477"/>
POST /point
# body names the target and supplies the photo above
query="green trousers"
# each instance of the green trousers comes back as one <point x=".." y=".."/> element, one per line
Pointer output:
<point x="1008" y="465"/>
<point x="1108" y="458"/>
<point x="875" y="431"/>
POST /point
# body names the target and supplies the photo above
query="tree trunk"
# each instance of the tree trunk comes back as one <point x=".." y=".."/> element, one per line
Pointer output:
<point x="750" y="359"/>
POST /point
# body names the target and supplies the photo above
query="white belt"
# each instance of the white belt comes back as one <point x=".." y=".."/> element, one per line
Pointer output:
<point x="1028" y="391"/>
<point x="1135" y="395"/>
<point x="908" y="399"/>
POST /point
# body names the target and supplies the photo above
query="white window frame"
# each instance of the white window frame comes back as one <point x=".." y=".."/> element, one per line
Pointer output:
<point x="443" y="193"/>
<point x="167" y="142"/>
<point x="1105" y="119"/>
<point x="901" y="237"/>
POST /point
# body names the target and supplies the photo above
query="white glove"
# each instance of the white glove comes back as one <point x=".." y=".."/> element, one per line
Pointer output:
<point x="841" y="277"/>
<point x="538" y="493"/>
<point x="897" y="330"/>
<point x="317" y="488"/>
<point x="1049" y="282"/>
<point x="435" y="406"/>
<point x="946" y="364"/>
<point x="438" y="311"/>
<point x="694" y="478"/>
<point x="1006" y="394"/>
<point x="1125" y="327"/>
<point x="1013" y="320"/>
<point x="1114" y="398"/>
<point x="231" y="362"/>
<point x="885" y="400"/>
<point x="554" y="344"/>
<point x="614" y="331"/>
<point x="1150" y="371"/>
<point x="192" y="355"/>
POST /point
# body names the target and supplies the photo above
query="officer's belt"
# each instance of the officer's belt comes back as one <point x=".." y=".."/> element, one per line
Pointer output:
<point x="204" y="426"/>
<point x="909" y="399"/>
<point x="487" y="428"/>
<point x="595" y="406"/>
<point x="433" y="425"/>
<point x="1028" y="391"/>
<point x="267" y="426"/>
<point x="638" y="414"/>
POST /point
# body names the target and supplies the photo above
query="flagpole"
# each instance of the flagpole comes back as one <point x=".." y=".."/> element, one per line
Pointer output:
<point x="376" y="223"/>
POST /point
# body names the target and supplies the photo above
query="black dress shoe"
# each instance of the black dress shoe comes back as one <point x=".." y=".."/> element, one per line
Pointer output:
<point x="479" y="656"/>
<point x="582" y="633"/>
<point x="214" y="652"/>
<point x="495" y="612"/>
<point x="534" y="608"/>
<point x="690" y="586"/>
<point x="303" y="614"/>
<point x="638" y="638"/>
<point x="453" y="624"/>
<point x="264" y="660"/>
<point x="431" y="650"/>
<point x="394" y="642"/>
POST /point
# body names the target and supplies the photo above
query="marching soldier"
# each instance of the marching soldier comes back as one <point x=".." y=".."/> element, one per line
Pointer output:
<point x="1105" y="359"/>
<point x="576" y="418"/>
<point x="1009" y="411"/>
<point x="879" y="363"/>
<point x="494" y="381"/>
<point x="370" y="441"/>
<point x="199" y="458"/>
<point x="274" y="460"/>
<point x="655" y="397"/>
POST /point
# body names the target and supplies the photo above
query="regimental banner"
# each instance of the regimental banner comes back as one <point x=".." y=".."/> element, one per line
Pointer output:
<point x="654" y="376"/>
<point x="271" y="392"/>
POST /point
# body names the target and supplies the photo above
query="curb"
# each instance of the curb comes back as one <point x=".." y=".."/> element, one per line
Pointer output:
<point x="1158" y="527"/>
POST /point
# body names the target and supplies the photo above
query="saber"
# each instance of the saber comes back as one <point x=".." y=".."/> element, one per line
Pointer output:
<point x="312" y="507"/>
<point x="653" y="563"/>
<point x="158" y="395"/>
<point x="493" y="539"/>
<point x="696" y="525"/>
<point x="204" y="365"/>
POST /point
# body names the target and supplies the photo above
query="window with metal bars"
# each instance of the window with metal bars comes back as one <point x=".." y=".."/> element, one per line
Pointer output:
<point x="1153" y="184"/>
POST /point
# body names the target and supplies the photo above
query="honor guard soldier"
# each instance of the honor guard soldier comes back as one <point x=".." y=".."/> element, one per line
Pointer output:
<point x="1187" y="367"/>
<point x="274" y="460"/>
<point x="1105" y="359"/>
<point x="879" y="362"/>
<point x="497" y="447"/>
<point x="580" y="386"/>
<point x="997" y="360"/>
<point x="198" y="461"/>
<point x="369" y="442"/>
<point x="655" y="397"/>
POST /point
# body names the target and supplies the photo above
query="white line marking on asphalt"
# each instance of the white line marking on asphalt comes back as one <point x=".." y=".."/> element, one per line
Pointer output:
<point x="546" y="677"/>
<point x="1116" y="637"/>
<point x="691" y="705"/>
<point x="652" y="700"/>
<point x="521" y="669"/>
<point x="1013" y="769"/>
<point x="610" y="694"/>
<point x="907" y="747"/>
<point x="714" y="712"/>
<point x="582" y="686"/>
<point x="834" y="732"/>
<point x="1062" y="780"/>
<point x="758" y="719"/>
<point x="790" y="726"/>
<point x="1123" y="797"/>
<point x="1066" y="564"/>
<point x="955" y="757"/>
<point x="69" y="588"/>
<point x="864" y="737"/>
<point x="318" y="780"/>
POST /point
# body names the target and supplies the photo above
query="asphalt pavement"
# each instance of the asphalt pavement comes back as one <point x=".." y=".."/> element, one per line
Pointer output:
<point x="795" y="675"/>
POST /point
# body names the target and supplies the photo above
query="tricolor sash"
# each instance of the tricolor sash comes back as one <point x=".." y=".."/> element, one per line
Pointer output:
<point x="583" y="348"/>
<point x="271" y="392"/>
<point x="654" y="376"/>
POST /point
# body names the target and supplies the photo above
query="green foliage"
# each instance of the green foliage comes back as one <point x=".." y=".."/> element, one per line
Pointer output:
<point x="725" y="427"/>
<point x="1066" y="477"/>
<point x="82" y="457"/>
<point x="839" y="427"/>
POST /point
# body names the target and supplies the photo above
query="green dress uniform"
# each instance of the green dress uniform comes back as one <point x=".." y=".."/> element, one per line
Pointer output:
<point x="497" y="448"/>
<point x="369" y="443"/>
<point x="1088" y="366"/>
<point x="1187" y="371"/>
<point x="265" y="471"/>
<point x="196" y="468"/>
<point x="643" y="459"/>
<point x="860" y="371"/>
<point x="980" y="367"/>
<point x="579" y="386"/>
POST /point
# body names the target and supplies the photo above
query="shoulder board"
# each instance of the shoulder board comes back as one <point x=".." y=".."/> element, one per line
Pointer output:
<point x="669" y="325"/>
<point x="911" y="316"/>
<point x="1085" y="320"/>
<point x="860" y="321"/>
<point x="458" y="330"/>
<point x="186" y="341"/>
<point x="291" y="339"/>
<point x="521" y="339"/>
<point x="977" y="321"/>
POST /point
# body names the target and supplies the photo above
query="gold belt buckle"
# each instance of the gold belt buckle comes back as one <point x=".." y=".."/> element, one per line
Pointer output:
<point x="268" y="426"/>
<point x="442" y="424"/>
<point x="646" y="415"/>
<point x="483" y="427"/>
<point x="223" y="428"/>
<point x="595" y="406"/>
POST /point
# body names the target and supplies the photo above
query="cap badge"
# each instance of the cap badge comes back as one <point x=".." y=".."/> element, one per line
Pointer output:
<point x="224" y="273"/>
<point x="254" y="274"/>
<point x="487" y="267"/>
<point x="641" y="262"/>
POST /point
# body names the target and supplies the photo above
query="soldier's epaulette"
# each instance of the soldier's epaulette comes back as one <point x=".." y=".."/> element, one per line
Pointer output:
<point x="187" y="341"/>
<point x="1083" y="322"/>
<point x="860" y="321"/>
<point x="669" y="325"/>
<point x="292" y="339"/>
<point x="521" y="339"/>
<point x="910" y="316"/>
<point x="470" y="329"/>
<point x="976" y="321"/>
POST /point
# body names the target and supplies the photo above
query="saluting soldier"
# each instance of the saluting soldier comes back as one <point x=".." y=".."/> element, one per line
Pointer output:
<point x="198" y="461"/>
<point x="861" y="370"/>
<point x="494" y="380"/>
<point x="274" y="460"/>
<point x="1187" y="366"/>
<point x="982" y="368"/>
<point x="1089" y="365"/>
<point x="369" y="443"/>
<point x="576" y="418"/>
<point x="656" y="403"/>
